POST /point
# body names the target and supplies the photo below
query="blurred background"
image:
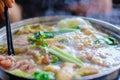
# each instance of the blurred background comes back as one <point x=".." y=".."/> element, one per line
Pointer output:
<point x="107" y="10"/>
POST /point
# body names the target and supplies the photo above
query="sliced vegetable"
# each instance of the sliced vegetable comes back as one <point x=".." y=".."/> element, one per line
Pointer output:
<point x="65" y="56"/>
<point x="27" y="27"/>
<point x="55" y="60"/>
<point x="51" y="34"/>
<point x="41" y="41"/>
<point x="107" y="40"/>
<point x="65" y="30"/>
<point x="41" y="75"/>
<point x="111" y="41"/>
<point x="98" y="41"/>
<point x="78" y="27"/>
<point x="20" y="73"/>
<point x="31" y="38"/>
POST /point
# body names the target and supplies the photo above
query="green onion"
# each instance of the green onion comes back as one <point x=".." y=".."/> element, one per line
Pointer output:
<point x="65" y="56"/>
<point x="51" y="34"/>
<point x="31" y="38"/>
<point x="66" y="30"/>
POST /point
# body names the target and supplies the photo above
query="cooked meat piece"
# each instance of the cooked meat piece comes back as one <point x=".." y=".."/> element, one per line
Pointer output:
<point x="52" y="68"/>
<point x="88" y="70"/>
<point x="45" y="59"/>
<point x="66" y="73"/>
<point x="6" y="61"/>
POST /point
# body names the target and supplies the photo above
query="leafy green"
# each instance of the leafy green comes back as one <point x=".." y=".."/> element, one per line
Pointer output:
<point x="51" y="34"/>
<point x="42" y="42"/>
<point x="65" y="30"/>
<point x="38" y="75"/>
<point x="38" y="39"/>
<point x="98" y="41"/>
<point x="78" y="27"/>
<point x="107" y="40"/>
<point x="65" y="56"/>
<point x="111" y="41"/>
<point x="31" y="38"/>
<point x="41" y="75"/>
<point x="55" y="60"/>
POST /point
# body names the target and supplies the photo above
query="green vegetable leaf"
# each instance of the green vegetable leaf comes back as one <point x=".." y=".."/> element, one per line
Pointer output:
<point x="38" y="39"/>
<point x="66" y="30"/>
<point x="41" y="75"/>
<point x="78" y="27"/>
<point x="31" y="38"/>
<point x="55" y="60"/>
<point x="107" y="40"/>
<point x="42" y="42"/>
<point x="98" y="41"/>
<point x="111" y="41"/>
<point x="51" y="34"/>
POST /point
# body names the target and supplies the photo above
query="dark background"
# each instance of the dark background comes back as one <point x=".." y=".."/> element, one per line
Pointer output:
<point x="113" y="17"/>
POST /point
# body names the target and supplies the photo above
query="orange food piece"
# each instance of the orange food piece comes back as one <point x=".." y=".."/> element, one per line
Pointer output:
<point x="45" y="59"/>
<point x="6" y="63"/>
<point x="60" y="46"/>
<point x="49" y="41"/>
<point x="88" y="70"/>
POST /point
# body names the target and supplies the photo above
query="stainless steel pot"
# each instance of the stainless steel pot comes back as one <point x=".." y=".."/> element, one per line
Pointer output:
<point x="104" y="26"/>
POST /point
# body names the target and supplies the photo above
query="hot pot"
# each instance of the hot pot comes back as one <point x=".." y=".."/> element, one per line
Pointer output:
<point x="102" y="25"/>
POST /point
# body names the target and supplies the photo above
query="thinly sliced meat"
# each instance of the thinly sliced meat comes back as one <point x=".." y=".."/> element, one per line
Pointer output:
<point x="21" y="40"/>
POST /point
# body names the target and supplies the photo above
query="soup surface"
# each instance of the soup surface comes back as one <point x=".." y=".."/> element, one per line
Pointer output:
<point x="69" y="49"/>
